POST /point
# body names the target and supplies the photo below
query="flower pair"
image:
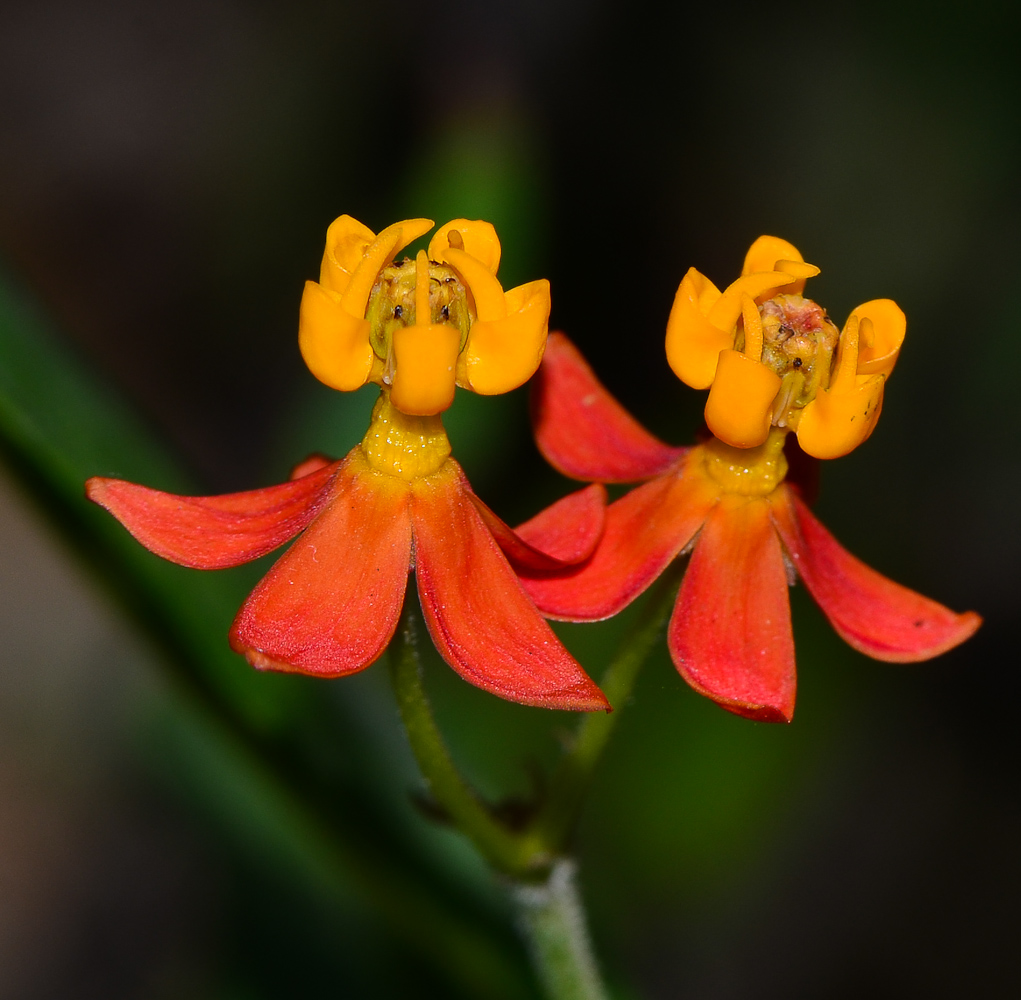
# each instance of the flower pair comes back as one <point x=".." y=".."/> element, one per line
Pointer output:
<point x="773" y="362"/>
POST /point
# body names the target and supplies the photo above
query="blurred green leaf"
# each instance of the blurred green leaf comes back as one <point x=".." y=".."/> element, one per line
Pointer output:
<point x="261" y="745"/>
<point x="58" y="426"/>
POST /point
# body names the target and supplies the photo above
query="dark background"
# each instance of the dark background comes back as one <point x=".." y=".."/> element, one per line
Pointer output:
<point x="166" y="178"/>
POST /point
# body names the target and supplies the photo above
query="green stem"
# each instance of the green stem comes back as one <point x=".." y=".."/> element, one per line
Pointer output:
<point x="554" y="825"/>
<point x="506" y="851"/>
<point x="550" y="912"/>
<point x="553" y="921"/>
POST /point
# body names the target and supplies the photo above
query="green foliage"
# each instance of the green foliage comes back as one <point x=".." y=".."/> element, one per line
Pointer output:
<point x="255" y="751"/>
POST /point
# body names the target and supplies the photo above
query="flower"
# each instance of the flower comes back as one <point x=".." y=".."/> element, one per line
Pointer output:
<point x="398" y="501"/>
<point x="726" y="501"/>
<point x="771" y="358"/>
<point x="359" y="322"/>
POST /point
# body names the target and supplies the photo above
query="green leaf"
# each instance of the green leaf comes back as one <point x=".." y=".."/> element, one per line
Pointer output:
<point x="261" y="739"/>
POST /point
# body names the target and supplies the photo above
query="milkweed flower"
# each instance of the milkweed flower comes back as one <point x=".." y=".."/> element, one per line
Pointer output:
<point x="773" y="363"/>
<point x="398" y="501"/>
<point x="772" y="358"/>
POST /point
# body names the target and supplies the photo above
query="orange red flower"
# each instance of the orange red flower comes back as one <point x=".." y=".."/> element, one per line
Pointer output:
<point x="398" y="501"/>
<point x="748" y="532"/>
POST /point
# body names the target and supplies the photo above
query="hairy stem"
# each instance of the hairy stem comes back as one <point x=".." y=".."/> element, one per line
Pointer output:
<point x="552" y="919"/>
<point x="544" y="888"/>
<point x="554" y="825"/>
<point x="505" y="850"/>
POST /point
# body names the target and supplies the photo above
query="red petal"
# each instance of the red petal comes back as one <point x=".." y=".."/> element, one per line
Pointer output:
<point x="214" y="532"/>
<point x="313" y="463"/>
<point x="873" y="614"/>
<point x="582" y="430"/>
<point x="645" y="530"/>
<point x="480" y="619"/>
<point x="730" y="634"/>
<point x="562" y="535"/>
<point x="330" y="605"/>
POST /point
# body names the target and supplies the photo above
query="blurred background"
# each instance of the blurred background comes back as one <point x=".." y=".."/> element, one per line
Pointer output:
<point x="167" y="174"/>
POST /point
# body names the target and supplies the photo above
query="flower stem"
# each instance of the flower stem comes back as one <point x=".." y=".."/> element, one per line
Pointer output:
<point x="553" y="920"/>
<point x="554" y="825"/>
<point x="550" y="911"/>
<point x="506" y="851"/>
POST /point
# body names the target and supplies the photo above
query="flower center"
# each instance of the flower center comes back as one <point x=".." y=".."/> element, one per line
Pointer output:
<point x="405" y="446"/>
<point x="396" y="301"/>
<point x="749" y="472"/>
<point x="798" y="343"/>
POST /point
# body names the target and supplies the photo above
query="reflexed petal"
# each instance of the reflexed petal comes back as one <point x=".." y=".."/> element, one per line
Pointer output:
<point x="519" y="296"/>
<point x="843" y="416"/>
<point x="487" y="292"/>
<point x="562" y="535"/>
<point x="377" y="255"/>
<point x="410" y="229"/>
<point x="424" y="360"/>
<point x="693" y="344"/>
<point x="501" y="354"/>
<point x="583" y="431"/>
<point x="479" y="239"/>
<point x="889" y="324"/>
<point x="330" y="604"/>
<point x="770" y="253"/>
<point x="346" y="242"/>
<point x="215" y="532"/>
<point x="798" y="269"/>
<point x="313" y="463"/>
<point x="740" y="401"/>
<point x="571" y="528"/>
<point x="840" y="419"/>
<point x="645" y="530"/>
<point x="730" y="634"/>
<point x="759" y="286"/>
<point x="873" y="614"/>
<point x="766" y="251"/>
<point x="334" y="344"/>
<point x="480" y="619"/>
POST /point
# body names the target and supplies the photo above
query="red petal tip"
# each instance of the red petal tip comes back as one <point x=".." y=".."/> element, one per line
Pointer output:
<point x="730" y="634"/>
<point x="645" y="530"/>
<point x="313" y="463"/>
<point x="563" y="535"/>
<point x="481" y="621"/>
<point x="761" y="713"/>
<point x="330" y="604"/>
<point x="870" y="612"/>
<point x="570" y="529"/>
<point x="213" y="532"/>
<point x="268" y="664"/>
